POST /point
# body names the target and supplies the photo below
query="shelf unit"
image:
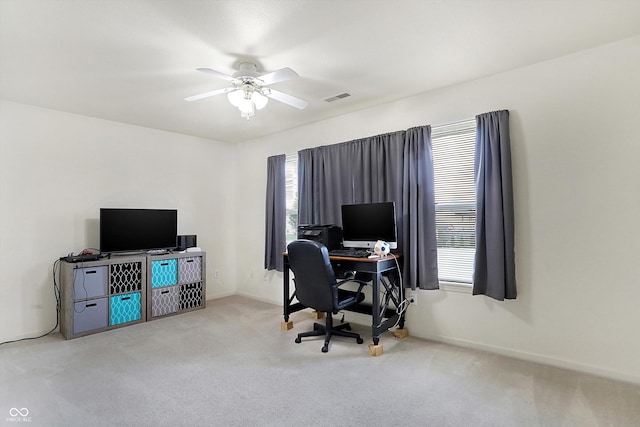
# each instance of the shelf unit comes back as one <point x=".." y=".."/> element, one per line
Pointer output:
<point x="176" y="284"/>
<point x="124" y="290"/>
<point x="102" y="295"/>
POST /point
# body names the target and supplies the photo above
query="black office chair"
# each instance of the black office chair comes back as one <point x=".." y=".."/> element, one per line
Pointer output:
<point x="317" y="288"/>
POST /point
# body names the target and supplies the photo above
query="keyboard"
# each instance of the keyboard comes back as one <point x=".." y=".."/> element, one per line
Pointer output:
<point x="354" y="253"/>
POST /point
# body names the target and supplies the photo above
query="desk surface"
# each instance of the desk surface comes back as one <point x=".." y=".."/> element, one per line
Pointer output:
<point x="361" y="259"/>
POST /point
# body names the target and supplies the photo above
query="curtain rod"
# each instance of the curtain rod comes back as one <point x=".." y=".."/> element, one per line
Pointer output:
<point x="432" y="126"/>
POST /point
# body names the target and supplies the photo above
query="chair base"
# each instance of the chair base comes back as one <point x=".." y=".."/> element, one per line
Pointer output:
<point x="329" y="331"/>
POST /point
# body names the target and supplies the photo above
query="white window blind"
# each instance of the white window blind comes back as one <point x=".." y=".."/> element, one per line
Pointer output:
<point x="291" y="179"/>
<point x="453" y="154"/>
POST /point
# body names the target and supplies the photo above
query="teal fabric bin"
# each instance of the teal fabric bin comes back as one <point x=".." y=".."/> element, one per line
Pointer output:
<point x="124" y="308"/>
<point x="164" y="272"/>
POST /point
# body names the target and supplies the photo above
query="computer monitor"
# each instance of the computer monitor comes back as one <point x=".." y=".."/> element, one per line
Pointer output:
<point x="366" y="223"/>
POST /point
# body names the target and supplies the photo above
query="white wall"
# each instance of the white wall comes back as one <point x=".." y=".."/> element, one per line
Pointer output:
<point x="574" y="147"/>
<point x="574" y="150"/>
<point x="57" y="170"/>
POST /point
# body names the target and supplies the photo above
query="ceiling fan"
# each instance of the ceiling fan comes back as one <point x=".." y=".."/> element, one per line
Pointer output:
<point x="250" y="92"/>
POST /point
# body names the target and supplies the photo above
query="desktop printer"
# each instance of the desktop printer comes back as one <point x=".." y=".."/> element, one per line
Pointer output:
<point x="328" y="234"/>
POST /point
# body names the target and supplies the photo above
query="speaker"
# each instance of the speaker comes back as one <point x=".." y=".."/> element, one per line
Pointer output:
<point x="186" y="241"/>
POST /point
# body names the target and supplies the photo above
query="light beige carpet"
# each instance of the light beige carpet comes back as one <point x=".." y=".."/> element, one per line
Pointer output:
<point x="231" y="365"/>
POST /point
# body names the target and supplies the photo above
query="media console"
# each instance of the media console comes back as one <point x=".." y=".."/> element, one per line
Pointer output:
<point x="124" y="290"/>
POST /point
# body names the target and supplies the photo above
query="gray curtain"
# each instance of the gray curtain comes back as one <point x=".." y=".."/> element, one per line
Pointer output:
<point x="325" y="183"/>
<point x="365" y="170"/>
<point x="377" y="169"/>
<point x="275" y="215"/>
<point x="418" y="211"/>
<point x="494" y="271"/>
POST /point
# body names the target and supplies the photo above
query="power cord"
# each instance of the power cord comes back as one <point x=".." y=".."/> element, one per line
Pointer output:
<point x="405" y="302"/>
<point x="56" y="291"/>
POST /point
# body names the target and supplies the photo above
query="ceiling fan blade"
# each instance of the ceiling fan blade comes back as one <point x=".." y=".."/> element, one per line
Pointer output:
<point x="287" y="99"/>
<point x="278" y="76"/>
<point x="210" y="93"/>
<point x="219" y="75"/>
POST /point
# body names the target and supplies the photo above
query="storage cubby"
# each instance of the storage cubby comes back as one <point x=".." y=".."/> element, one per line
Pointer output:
<point x="100" y="295"/>
<point x="165" y="301"/>
<point x="89" y="315"/>
<point x="191" y="296"/>
<point x="190" y="269"/>
<point x="125" y="277"/>
<point x="176" y="284"/>
<point x="124" y="308"/>
<point x="164" y="272"/>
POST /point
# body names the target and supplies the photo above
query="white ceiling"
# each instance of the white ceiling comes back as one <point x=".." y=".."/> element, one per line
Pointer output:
<point x="134" y="61"/>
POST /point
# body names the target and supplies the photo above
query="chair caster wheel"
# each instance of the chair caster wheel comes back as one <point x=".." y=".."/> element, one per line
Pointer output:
<point x="359" y="340"/>
<point x="325" y="348"/>
<point x="298" y="340"/>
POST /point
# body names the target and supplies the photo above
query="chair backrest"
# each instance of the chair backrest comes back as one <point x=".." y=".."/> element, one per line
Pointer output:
<point x="314" y="276"/>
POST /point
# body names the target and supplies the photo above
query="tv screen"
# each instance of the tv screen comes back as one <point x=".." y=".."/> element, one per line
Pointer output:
<point x="366" y="223"/>
<point x="123" y="230"/>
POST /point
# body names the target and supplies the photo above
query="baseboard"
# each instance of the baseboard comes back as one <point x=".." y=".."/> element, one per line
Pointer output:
<point x="219" y="295"/>
<point x="538" y="358"/>
<point x="255" y="298"/>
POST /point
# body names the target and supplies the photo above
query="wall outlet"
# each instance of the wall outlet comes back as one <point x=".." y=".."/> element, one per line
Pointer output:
<point x="413" y="297"/>
<point x="216" y="274"/>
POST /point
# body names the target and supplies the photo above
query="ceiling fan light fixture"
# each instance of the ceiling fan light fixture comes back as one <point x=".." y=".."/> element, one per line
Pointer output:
<point x="246" y="106"/>
<point x="249" y="91"/>
<point x="259" y="100"/>
<point x="235" y="97"/>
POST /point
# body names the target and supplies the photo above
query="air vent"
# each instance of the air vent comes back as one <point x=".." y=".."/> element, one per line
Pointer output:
<point x="335" y="98"/>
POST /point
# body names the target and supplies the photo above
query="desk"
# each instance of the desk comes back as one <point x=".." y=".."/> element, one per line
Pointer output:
<point x="383" y="316"/>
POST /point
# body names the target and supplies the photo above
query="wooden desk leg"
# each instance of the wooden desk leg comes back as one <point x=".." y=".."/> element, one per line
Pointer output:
<point x="317" y="315"/>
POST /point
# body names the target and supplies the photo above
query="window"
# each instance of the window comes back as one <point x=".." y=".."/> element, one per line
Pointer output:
<point x="453" y="156"/>
<point x="291" y="180"/>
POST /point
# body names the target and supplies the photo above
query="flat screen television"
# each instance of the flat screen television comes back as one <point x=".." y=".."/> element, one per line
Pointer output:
<point x="366" y="223"/>
<point x="128" y="230"/>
